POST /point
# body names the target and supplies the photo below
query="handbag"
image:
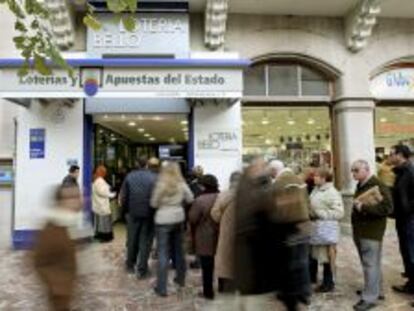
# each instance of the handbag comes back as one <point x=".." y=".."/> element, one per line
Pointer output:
<point x="291" y="200"/>
<point x="324" y="232"/>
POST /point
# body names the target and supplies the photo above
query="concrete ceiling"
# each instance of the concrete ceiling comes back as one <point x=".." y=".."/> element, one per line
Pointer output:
<point x="390" y="8"/>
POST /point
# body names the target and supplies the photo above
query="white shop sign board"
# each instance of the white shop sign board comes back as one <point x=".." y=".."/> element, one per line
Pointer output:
<point x="126" y="83"/>
<point x="394" y="84"/>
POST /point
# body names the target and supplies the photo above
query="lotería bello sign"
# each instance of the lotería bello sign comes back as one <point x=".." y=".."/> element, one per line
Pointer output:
<point x="394" y="84"/>
<point x="224" y="142"/>
<point x="126" y="82"/>
<point x="156" y="34"/>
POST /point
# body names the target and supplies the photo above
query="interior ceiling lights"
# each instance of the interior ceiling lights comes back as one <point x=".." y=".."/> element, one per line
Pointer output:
<point x="360" y="22"/>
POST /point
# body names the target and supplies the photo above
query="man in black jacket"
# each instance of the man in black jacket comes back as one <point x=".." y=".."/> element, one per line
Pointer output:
<point x="403" y="196"/>
<point x="136" y="195"/>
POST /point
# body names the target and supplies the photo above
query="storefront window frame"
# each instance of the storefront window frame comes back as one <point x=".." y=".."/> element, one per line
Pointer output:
<point x="299" y="97"/>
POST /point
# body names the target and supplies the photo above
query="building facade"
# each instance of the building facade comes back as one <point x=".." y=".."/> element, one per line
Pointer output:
<point x="325" y="84"/>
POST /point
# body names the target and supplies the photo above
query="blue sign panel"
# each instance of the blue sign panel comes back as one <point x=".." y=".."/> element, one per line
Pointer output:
<point x="37" y="143"/>
<point x="6" y="175"/>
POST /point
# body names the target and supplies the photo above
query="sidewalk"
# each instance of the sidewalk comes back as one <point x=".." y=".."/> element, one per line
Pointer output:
<point x="103" y="284"/>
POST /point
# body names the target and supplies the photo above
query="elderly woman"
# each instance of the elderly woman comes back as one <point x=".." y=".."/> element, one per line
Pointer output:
<point x="206" y="231"/>
<point x="326" y="209"/>
<point x="101" y="194"/>
<point x="223" y="213"/>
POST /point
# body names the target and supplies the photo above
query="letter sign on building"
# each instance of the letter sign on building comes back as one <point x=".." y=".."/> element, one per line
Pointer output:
<point x="156" y="35"/>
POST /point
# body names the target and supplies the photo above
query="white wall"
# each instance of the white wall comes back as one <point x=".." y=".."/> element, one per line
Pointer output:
<point x="211" y="118"/>
<point x="5" y="219"/>
<point x="8" y="111"/>
<point x="7" y="33"/>
<point x="35" y="177"/>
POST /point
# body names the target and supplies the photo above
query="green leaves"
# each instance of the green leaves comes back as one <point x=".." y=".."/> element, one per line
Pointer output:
<point x="132" y="5"/>
<point x="16" y="9"/>
<point x="91" y="22"/>
<point x="19" y="26"/>
<point x="116" y="6"/>
<point x="129" y="23"/>
<point x="40" y="65"/>
<point x="36" y="44"/>
<point x="33" y="7"/>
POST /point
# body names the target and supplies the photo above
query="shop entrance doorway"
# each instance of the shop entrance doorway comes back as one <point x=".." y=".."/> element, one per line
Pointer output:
<point x="119" y="139"/>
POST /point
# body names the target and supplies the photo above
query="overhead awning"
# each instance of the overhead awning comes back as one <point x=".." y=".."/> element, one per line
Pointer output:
<point x="128" y="78"/>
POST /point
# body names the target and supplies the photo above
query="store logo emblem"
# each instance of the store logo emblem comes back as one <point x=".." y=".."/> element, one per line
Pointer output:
<point x="91" y="80"/>
<point x="90" y="87"/>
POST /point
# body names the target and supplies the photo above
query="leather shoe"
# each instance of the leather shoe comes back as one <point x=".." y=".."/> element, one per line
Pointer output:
<point x="405" y="289"/>
<point x="325" y="288"/>
<point x="158" y="293"/>
<point x="359" y="293"/>
<point x="363" y="305"/>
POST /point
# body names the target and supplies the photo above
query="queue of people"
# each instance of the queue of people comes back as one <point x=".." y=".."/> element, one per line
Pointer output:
<point x="267" y="234"/>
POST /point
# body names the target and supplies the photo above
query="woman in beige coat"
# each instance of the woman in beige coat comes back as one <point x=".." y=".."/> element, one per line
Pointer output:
<point x="326" y="210"/>
<point x="223" y="212"/>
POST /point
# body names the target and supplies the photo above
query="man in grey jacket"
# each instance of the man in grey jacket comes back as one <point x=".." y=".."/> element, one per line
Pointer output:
<point x="136" y="194"/>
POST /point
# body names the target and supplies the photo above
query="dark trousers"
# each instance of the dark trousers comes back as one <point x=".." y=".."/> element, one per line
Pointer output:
<point x="405" y="231"/>
<point x="167" y="235"/>
<point x="295" y="286"/>
<point x="140" y="234"/>
<point x="327" y="279"/>
<point x="226" y="286"/>
<point x="207" y="270"/>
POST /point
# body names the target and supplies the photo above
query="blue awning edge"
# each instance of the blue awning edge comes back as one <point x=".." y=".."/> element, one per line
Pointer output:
<point x="138" y="62"/>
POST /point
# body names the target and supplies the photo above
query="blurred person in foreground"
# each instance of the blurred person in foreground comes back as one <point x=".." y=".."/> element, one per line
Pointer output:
<point x="206" y="231"/>
<point x="169" y="193"/>
<point x="326" y="209"/>
<point x="371" y="206"/>
<point x="54" y="252"/>
<point x="223" y="213"/>
<point x="101" y="194"/>
<point x="272" y="236"/>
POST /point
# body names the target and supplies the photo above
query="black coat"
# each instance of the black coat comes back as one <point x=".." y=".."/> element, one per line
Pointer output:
<point x="136" y="193"/>
<point x="403" y="191"/>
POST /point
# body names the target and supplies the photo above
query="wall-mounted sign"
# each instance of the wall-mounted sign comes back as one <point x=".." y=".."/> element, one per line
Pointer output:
<point x="156" y="34"/>
<point x="394" y="84"/>
<point x="6" y="175"/>
<point x="127" y="82"/>
<point x="37" y="143"/>
<point x="218" y="143"/>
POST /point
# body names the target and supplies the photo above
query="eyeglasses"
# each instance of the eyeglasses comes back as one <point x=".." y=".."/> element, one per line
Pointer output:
<point x="354" y="170"/>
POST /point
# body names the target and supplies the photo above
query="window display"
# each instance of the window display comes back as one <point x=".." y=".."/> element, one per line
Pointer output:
<point x="299" y="136"/>
<point x="393" y="125"/>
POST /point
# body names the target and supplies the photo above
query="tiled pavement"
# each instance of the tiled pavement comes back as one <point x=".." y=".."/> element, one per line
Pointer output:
<point x="103" y="284"/>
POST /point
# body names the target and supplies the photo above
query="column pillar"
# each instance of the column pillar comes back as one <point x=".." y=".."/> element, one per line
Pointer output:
<point x="354" y="138"/>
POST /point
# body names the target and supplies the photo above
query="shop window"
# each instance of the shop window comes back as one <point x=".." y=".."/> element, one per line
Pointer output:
<point x="313" y="83"/>
<point x="254" y="81"/>
<point x="393" y="125"/>
<point x="283" y="81"/>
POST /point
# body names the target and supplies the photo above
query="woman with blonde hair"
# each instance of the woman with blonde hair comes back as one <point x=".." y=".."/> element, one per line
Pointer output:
<point x="101" y="194"/>
<point x="326" y="210"/>
<point x="170" y="192"/>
